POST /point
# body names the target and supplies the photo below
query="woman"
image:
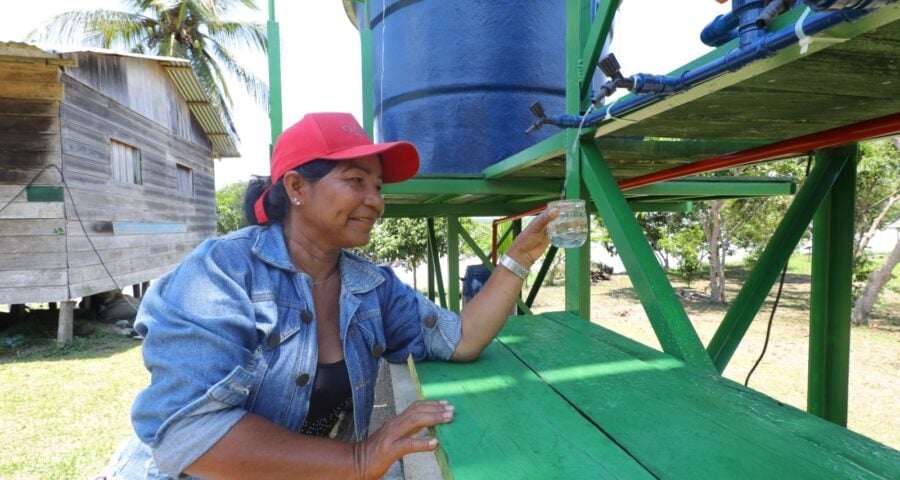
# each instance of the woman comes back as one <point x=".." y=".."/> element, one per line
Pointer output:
<point x="260" y="339"/>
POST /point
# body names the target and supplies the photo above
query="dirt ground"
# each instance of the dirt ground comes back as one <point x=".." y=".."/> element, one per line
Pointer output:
<point x="874" y="402"/>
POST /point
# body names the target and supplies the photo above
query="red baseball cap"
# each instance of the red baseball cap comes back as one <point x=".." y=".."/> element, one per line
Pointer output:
<point x="338" y="136"/>
<point x="335" y="136"/>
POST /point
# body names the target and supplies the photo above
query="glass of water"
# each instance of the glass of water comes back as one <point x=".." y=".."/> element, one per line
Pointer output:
<point x="570" y="228"/>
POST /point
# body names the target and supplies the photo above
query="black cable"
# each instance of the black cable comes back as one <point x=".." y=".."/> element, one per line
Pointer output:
<point x="769" y="327"/>
<point x="777" y="299"/>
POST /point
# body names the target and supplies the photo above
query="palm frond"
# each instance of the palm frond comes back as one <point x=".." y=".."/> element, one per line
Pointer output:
<point x="248" y="35"/>
<point x="76" y="26"/>
<point x="253" y="85"/>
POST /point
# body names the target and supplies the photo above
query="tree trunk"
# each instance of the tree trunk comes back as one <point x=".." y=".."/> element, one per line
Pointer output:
<point x="713" y="232"/>
<point x="415" y="280"/>
<point x="873" y="229"/>
<point x="874" y="284"/>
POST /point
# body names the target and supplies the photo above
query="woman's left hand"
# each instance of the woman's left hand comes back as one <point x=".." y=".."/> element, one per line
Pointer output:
<point x="533" y="241"/>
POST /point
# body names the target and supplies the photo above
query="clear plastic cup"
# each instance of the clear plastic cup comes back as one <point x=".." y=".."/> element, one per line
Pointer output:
<point x="570" y="228"/>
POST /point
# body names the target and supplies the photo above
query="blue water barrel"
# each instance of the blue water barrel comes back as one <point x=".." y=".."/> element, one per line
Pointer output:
<point x="456" y="77"/>
<point x="475" y="278"/>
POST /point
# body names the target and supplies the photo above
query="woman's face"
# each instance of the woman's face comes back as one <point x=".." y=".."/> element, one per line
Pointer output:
<point x="341" y="208"/>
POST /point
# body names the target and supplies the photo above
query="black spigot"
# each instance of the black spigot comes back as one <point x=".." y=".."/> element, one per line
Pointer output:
<point x="773" y="9"/>
<point x="610" y="67"/>
<point x="538" y="111"/>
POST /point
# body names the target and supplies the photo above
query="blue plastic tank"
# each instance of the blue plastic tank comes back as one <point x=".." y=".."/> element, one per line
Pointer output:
<point x="474" y="279"/>
<point x="456" y="78"/>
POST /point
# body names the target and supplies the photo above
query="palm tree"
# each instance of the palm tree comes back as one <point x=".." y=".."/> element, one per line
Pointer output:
<point x="196" y="30"/>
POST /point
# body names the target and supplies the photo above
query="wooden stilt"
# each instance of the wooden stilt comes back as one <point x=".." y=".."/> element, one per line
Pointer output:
<point x="66" y="322"/>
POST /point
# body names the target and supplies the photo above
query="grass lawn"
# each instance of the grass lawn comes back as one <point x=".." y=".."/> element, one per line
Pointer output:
<point x="63" y="412"/>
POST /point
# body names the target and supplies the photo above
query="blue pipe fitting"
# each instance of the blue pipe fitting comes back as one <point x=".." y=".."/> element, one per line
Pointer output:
<point x="720" y="31"/>
<point x="766" y="46"/>
<point x="645" y="83"/>
<point x="747" y="11"/>
<point x="821" y="5"/>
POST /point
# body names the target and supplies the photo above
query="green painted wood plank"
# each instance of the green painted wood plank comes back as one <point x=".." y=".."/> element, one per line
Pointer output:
<point x="535" y="154"/>
<point x="510" y="424"/>
<point x="44" y="193"/>
<point x="681" y="422"/>
<point x="436" y="186"/>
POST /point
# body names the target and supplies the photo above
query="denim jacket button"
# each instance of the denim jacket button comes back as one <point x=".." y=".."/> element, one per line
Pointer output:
<point x="306" y="316"/>
<point x="377" y="351"/>
<point x="274" y="340"/>
<point x="302" y="379"/>
<point x="430" y="321"/>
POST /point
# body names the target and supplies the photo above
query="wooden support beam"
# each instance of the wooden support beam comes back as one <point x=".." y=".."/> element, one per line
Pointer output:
<point x="66" y="322"/>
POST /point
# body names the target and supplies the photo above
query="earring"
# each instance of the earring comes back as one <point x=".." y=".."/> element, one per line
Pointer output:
<point x="297" y="201"/>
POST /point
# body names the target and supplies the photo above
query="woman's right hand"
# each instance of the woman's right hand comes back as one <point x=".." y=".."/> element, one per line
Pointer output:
<point x="396" y="437"/>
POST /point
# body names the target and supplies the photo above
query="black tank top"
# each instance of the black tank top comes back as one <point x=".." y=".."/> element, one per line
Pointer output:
<point x="330" y="396"/>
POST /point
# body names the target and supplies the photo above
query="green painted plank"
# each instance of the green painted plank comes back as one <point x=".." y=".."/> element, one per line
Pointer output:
<point x="709" y="188"/>
<point x="682" y="422"/>
<point x="459" y="209"/>
<point x="535" y="154"/>
<point x="435" y="186"/>
<point x="510" y="424"/>
<point x="44" y="193"/>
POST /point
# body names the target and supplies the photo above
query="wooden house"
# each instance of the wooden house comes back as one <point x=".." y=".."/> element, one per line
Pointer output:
<point x="106" y="171"/>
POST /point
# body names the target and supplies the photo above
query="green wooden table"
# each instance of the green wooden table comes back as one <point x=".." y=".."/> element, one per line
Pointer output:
<point x="557" y="397"/>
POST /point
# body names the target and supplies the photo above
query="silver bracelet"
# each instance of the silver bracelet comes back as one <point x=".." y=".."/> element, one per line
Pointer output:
<point x="515" y="267"/>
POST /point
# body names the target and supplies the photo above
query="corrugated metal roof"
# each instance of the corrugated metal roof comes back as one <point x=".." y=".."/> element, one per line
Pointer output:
<point x="209" y="113"/>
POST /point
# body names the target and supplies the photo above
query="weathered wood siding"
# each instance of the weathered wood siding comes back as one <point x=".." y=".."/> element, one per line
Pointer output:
<point x="142" y="86"/>
<point x="148" y="248"/>
<point x="32" y="227"/>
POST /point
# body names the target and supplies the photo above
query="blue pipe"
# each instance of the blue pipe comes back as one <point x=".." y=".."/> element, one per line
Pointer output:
<point x="720" y="31"/>
<point x="657" y="87"/>
<point x="740" y="21"/>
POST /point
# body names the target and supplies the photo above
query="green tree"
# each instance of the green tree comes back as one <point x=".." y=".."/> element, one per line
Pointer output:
<point x="197" y="30"/>
<point x="230" y="208"/>
<point x="404" y="241"/>
<point x="877" y="204"/>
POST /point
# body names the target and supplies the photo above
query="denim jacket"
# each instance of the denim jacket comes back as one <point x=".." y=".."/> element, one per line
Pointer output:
<point x="232" y="330"/>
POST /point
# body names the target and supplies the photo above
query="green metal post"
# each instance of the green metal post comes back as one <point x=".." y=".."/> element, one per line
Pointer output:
<point x="436" y="260"/>
<point x="578" y="287"/>
<point x="542" y="273"/>
<point x="830" y="296"/>
<point x="595" y="41"/>
<point x="368" y="86"/>
<point x="783" y="242"/>
<point x="667" y="316"/>
<point x="453" y="261"/>
<point x="274" y="48"/>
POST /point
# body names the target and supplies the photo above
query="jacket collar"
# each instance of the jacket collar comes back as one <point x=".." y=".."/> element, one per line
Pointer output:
<point x="357" y="275"/>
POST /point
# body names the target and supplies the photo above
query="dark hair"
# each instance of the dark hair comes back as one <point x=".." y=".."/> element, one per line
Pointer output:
<point x="276" y="203"/>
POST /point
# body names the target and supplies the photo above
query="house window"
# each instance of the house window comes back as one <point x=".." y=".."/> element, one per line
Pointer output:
<point x="126" y="163"/>
<point x="184" y="177"/>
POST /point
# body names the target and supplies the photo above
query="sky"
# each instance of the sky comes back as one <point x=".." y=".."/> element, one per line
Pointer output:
<point x="321" y="57"/>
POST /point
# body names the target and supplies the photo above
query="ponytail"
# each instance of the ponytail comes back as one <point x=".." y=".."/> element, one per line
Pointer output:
<point x="275" y="202"/>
